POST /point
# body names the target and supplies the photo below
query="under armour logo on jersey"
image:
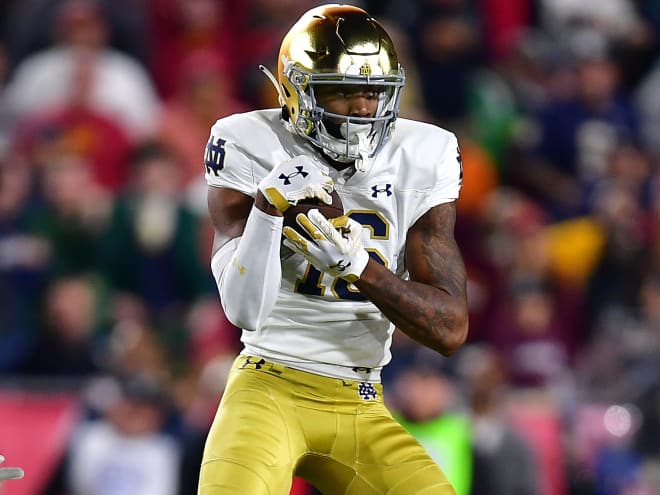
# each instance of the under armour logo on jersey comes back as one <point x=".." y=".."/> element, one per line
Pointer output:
<point x="377" y="190"/>
<point x="287" y="178"/>
<point x="257" y="364"/>
<point x="367" y="391"/>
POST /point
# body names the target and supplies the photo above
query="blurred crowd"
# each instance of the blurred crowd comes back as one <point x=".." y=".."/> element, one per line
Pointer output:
<point x="105" y="286"/>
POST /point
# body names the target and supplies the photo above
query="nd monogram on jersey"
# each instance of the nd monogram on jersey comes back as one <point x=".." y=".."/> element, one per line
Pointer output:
<point x="319" y="322"/>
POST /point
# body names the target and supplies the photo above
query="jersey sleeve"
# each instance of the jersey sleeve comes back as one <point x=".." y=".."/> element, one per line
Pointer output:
<point x="450" y="175"/>
<point x="442" y="173"/>
<point x="226" y="161"/>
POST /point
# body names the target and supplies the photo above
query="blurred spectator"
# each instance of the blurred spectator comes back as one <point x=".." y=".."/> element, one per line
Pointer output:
<point x="74" y="214"/>
<point x="117" y="85"/>
<point x="647" y="442"/>
<point x="152" y="248"/>
<point x="70" y="344"/>
<point x="648" y="102"/>
<point x="504" y="461"/>
<point x="653" y="220"/>
<point x="426" y="401"/>
<point x="126" y="449"/>
<point x="627" y="26"/>
<point x="630" y="167"/>
<point x="603" y="460"/>
<point x="204" y="93"/>
<point x="77" y="129"/>
<point x="503" y="97"/>
<point x="16" y="15"/>
<point x="537" y="319"/>
<point x="535" y="336"/>
<point x="180" y="28"/>
<point x="24" y="261"/>
<point x="481" y="180"/>
<point x="618" y="383"/>
<point x="501" y="24"/>
<point x="509" y="218"/>
<point x="265" y="23"/>
<point x="622" y="363"/>
<point x="209" y="332"/>
<point x="616" y="18"/>
<point x="198" y="393"/>
<point x="5" y="127"/>
<point x="618" y="208"/>
<point x="135" y="348"/>
<point x="28" y="26"/>
<point x="616" y="279"/>
<point x="446" y="41"/>
<point x="577" y="135"/>
<point x="195" y="370"/>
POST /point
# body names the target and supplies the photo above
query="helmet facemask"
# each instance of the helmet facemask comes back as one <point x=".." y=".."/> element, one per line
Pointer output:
<point x="344" y="138"/>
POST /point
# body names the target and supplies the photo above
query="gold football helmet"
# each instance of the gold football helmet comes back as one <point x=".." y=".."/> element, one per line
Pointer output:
<point x="339" y="45"/>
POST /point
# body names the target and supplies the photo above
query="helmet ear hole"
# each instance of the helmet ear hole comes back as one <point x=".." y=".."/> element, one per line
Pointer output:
<point x="286" y="91"/>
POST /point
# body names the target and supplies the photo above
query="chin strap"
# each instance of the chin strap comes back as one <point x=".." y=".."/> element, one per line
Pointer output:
<point x="363" y="164"/>
<point x="356" y="139"/>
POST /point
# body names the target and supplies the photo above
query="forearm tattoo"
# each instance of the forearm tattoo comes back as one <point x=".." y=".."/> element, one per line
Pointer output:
<point x="431" y="307"/>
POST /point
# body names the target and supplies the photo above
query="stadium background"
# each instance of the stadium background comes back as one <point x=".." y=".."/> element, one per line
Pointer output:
<point x="109" y="320"/>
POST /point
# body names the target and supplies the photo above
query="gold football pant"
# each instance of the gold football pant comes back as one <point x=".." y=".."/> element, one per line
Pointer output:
<point x="275" y="422"/>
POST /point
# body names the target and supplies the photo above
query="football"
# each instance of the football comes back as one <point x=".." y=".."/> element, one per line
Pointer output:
<point x="333" y="210"/>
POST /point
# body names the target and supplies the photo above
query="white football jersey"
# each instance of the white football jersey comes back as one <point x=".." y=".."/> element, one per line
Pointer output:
<point x="320" y="323"/>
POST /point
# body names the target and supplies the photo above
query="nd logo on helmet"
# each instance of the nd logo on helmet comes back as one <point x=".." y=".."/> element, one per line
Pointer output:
<point x="365" y="69"/>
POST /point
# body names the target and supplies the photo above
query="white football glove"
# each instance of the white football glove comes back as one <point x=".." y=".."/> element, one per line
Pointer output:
<point x="336" y="247"/>
<point x="10" y="473"/>
<point x="296" y="179"/>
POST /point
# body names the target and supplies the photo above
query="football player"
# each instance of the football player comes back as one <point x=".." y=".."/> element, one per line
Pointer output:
<point x="318" y="310"/>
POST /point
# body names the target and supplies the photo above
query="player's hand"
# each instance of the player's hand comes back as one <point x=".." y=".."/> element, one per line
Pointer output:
<point x="336" y="245"/>
<point x="296" y="179"/>
<point x="9" y="473"/>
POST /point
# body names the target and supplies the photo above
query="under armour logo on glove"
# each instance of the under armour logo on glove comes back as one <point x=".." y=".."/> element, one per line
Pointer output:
<point x="340" y="266"/>
<point x="287" y="178"/>
<point x="367" y="391"/>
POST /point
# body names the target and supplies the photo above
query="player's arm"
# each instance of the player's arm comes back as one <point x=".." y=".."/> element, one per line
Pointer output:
<point x="431" y="307"/>
<point x="246" y="259"/>
<point x="229" y="210"/>
<point x="246" y="247"/>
